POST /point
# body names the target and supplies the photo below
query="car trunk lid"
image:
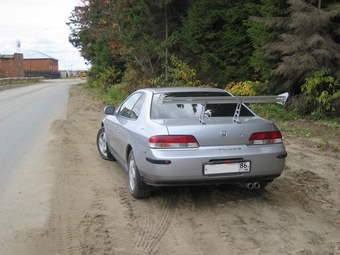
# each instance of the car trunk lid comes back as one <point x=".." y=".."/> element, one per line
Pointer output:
<point x="219" y="131"/>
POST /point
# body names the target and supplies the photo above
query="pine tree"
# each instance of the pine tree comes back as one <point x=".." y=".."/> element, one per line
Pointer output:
<point x="309" y="44"/>
<point x="214" y="39"/>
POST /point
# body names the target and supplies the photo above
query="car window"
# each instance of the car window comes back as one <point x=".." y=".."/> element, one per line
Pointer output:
<point x="137" y="108"/>
<point x="187" y="110"/>
<point x="128" y="108"/>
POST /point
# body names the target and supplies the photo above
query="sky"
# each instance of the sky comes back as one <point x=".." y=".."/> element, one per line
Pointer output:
<point x="39" y="25"/>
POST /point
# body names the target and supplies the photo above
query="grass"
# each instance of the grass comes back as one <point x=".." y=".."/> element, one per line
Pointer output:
<point x="274" y="111"/>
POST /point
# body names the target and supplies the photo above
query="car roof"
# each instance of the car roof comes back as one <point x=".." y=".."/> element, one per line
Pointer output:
<point x="183" y="89"/>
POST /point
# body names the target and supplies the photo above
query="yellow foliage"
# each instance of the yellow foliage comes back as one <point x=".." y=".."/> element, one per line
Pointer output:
<point x="211" y="85"/>
<point x="245" y="88"/>
<point x="102" y="21"/>
<point x="180" y="75"/>
<point x="114" y="25"/>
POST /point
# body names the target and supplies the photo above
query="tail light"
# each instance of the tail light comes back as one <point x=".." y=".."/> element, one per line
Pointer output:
<point x="173" y="141"/>
<point x="265" y="138"/>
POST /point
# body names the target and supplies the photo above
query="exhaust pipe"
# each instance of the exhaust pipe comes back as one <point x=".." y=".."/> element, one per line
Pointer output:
<point x="250" y="185"/>
<point x="257" y="185"/>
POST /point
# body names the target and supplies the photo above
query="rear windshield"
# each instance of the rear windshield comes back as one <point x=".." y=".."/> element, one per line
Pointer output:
<point x="188" y="110"/>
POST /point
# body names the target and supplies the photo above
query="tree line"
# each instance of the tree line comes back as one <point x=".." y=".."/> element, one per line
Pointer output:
<point x="273" y="45"/>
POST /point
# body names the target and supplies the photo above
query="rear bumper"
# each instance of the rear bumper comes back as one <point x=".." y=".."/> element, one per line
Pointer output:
<point x="185" y="167"/>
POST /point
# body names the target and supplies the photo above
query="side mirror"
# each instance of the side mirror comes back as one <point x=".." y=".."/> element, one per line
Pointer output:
<point x="109" y="110"/>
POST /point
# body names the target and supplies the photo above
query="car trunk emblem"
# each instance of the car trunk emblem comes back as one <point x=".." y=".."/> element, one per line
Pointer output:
<point x="223" y="134"/>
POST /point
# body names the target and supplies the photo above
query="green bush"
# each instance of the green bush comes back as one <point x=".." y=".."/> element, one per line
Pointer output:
<point x="274" y="111"/>
<point x="322" y="92"/>
<point x="115" y="95"/>
<point x="107" y="79"/>
<point x="180" y="74"/>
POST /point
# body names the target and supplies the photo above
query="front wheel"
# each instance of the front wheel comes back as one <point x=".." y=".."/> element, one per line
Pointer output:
<point x="135" y="182"/>
<point x="102" y="145"/>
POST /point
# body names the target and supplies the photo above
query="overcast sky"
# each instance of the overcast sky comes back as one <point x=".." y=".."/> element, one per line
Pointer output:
<point x="39" y="25"/>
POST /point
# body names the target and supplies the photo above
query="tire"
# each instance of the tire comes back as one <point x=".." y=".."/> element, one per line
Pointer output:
<point x="138" y="189"/>
<point x="102" y="145"/>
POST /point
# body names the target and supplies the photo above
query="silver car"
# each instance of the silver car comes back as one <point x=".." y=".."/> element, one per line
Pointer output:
<point x="191" y="136"/>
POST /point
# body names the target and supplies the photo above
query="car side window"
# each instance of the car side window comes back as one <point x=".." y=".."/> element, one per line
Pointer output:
<point x="137" y="108"/>
<point x="128" y="108"/>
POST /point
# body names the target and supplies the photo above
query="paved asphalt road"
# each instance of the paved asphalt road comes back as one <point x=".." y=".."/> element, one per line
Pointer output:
<point x="26" y="114"/>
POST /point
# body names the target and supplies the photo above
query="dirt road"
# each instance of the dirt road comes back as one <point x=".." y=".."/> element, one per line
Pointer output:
<point x="92" y="211"/>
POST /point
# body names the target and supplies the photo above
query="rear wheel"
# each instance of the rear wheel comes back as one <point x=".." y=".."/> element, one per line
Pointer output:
<point x="102" y="145"/>
<point x="135" y="183"/>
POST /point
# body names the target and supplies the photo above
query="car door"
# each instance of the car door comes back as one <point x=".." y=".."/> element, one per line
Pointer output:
<point x="122" y="126"/>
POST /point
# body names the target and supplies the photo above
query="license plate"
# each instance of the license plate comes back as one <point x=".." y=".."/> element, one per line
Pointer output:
<point x="227" y="168"/>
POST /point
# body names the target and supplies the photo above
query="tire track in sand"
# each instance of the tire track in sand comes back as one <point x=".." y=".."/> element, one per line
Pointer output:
<point x="154" y="216"/>
<point x="61" y="221"/>
<point x="315" y="234"/>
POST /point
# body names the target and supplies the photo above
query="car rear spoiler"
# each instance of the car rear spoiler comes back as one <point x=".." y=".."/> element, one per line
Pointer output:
<point x="239" y="100"/>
